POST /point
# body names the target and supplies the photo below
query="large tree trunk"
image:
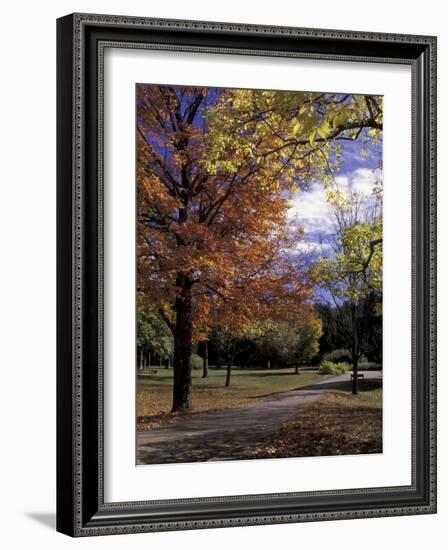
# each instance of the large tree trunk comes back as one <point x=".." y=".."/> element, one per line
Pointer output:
<point x="182" y="348"/>
<point x="205" y="360"/>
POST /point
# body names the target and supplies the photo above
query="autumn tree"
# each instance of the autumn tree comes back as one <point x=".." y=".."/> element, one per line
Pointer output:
<point x="212" y="170"/>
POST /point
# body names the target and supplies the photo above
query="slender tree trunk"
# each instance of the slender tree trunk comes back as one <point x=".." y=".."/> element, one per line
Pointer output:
<point x="354" y="351"/>
<point x="228" y="374"/>
<point x="355" y="376"/>
<point x="182" y="348"/>
<point x="229" y="367"/>
<point x="205" y="360"/>
<point x="297" y="369"/>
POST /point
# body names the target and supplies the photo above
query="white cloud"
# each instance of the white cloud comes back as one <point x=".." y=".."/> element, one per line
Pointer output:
<point x="311" y="211"/>
<point x="312" y="246"/>
<point x="343" y="182"/>
<point x="309" y="208"/>
<point x="364" y="181"/>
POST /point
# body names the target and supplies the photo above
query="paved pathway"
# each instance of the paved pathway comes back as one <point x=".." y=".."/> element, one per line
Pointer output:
<point x="230" y="433"/>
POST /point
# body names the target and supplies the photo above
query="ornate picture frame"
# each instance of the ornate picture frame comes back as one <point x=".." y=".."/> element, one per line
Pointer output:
<point x="81" y="506"/>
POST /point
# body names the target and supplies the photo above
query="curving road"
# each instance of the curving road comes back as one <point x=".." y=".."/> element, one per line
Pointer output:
<point x="230" y="433"/>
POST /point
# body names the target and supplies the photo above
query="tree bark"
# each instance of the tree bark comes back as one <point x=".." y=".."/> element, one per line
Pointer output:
<point x="205" y="360"/>
<point x="182" y="348"/>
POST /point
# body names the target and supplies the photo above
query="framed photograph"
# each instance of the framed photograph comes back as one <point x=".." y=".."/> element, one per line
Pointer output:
<point x="246" y="258"/>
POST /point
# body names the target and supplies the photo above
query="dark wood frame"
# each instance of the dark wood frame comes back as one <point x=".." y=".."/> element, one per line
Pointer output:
<point x="81" y="510"/>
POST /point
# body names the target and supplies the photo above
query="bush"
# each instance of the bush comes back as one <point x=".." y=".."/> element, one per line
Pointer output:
<point x="342" y="355"/>
<point x="329" y="367"/>
<point x="338" y="356"/>
<point x="370" y="365"/>
<point x="196" y="361"/>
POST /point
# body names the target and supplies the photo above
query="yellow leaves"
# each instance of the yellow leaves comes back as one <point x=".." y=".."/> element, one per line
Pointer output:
<point x="297" y="128"/>
<point x="324" y="129"/>
<point x="356" y="269"/>
<point x="338" y="119"/>
<point x="336" y="197"/>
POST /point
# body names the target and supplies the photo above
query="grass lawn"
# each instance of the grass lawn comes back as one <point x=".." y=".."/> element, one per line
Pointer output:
<point x="338" y="424"/>
<point x="154" y="391"/>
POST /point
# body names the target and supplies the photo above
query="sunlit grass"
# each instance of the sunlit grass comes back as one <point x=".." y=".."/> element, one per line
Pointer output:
<point x="154" y="391"/>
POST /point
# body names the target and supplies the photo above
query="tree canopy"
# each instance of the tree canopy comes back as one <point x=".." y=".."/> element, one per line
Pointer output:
<point x="215" y="168"/>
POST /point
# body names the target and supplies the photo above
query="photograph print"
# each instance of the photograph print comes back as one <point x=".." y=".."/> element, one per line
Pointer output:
<point x="259" y="274"/>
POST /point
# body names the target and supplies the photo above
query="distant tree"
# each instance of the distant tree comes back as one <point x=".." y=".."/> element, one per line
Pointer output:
<point x="204" y="348"/>
<point x="153" y="337"/>
<point x="231" y="343"/>
<point x="291" y="342"/>
<point x="228" y="345"/>
<point x="336" y="330"/>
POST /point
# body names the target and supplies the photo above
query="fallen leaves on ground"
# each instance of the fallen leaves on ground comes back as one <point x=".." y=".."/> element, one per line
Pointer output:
<point x="337" y="424"/>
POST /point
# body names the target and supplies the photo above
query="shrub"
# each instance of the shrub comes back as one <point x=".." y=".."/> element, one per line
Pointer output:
<point x="196" y="361"/>
<point x="329" y="367"/>
<point x="338" y="356"/>
<point x="370" y="365"/>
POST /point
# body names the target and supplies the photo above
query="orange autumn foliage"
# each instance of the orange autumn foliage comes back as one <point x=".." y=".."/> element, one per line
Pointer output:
<point x="225" y="230"/>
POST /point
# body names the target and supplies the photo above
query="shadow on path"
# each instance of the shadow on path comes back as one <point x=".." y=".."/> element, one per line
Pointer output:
<point x="230" y="434"/>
